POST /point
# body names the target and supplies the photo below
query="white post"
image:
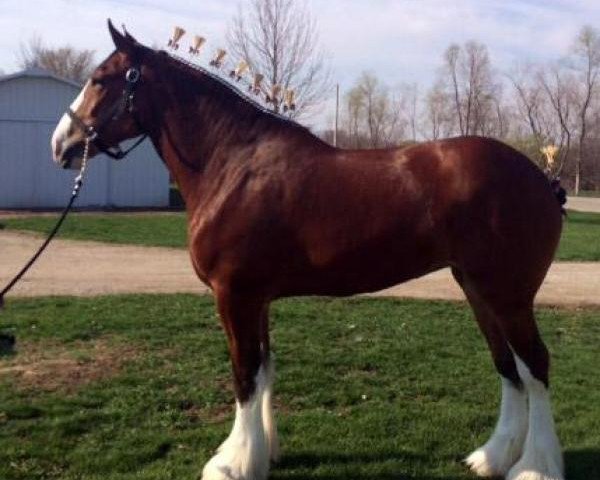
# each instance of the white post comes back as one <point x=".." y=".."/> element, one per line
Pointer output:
<point x="337" y="108"/>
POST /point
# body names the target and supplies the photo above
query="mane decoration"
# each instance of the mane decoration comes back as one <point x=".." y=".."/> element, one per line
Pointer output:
<point x="227" y="72"/>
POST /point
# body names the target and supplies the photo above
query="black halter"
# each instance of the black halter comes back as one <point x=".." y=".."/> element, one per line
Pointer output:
<point x="124" y="105"/>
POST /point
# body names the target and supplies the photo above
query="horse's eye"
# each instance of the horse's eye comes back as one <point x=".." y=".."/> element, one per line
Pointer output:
<point x="97" y="82"/>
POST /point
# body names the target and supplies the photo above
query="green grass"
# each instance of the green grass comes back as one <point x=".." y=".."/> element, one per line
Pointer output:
<point x="431" y="391"/>
<point x="161" y="230"/>
<point x="580" y="240"/>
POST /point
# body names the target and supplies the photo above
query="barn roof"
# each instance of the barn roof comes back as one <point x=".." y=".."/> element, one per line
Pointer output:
<point x="37" y="72"/>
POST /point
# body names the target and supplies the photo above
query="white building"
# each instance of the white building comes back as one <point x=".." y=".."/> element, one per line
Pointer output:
<point x="31" y="103"/>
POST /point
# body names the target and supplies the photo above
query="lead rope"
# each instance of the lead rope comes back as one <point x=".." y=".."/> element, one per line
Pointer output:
<point x="53" y="232"/>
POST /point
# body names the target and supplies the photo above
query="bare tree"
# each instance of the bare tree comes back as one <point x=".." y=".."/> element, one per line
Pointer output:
<point x="374" y="115"/>
<point x="279" y="39"/>
<point x="67" y="62"/>
<point x="541" y="107"/>
<point x="410" y="101"/>
<point x="438" y="107"/>
<point x="451" y="57"/>
<point x="529" y="100"/>
<point x="558" y="87"/>
<point x="586" y="64"/>
<point x="353" y="118"/>
<point x="468" y="77"/>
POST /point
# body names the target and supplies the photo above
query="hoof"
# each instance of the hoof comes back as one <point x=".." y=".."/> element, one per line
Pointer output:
<point x="216" y="472"/>
<point x="537" y="467"/>
<point x="480" y="463"/>
<point x="534" y="475"/>
<point x="496" y="457"/>
<point x="222" y="468"/>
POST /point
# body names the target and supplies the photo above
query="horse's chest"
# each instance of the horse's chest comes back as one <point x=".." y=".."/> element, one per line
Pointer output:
<point x="216" y="239"/>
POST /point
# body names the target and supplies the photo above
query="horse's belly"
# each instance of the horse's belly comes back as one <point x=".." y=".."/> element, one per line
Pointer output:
<point x="368" y="270"/>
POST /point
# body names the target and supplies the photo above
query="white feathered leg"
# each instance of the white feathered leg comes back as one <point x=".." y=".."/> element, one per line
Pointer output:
<point x="505" y="446"/>
<point x="542" y="456"/>
<point x="268" y="413"/>
<point x="244" y="455"/>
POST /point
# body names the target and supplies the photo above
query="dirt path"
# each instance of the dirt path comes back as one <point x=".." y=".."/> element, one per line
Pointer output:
<point x="584" y="204"/>
<point x="89" y="268"/>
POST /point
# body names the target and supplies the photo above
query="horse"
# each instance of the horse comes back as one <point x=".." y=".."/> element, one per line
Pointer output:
<point x="273" y="211"/>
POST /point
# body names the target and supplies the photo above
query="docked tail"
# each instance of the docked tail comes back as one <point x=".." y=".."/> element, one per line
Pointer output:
<point x="560" y="193"/>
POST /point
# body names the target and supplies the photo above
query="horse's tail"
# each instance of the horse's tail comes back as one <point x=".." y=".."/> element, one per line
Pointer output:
<point x="560" y="193"/>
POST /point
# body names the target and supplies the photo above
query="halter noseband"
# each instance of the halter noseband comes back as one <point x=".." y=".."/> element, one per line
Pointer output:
<point x="125" y="104"/>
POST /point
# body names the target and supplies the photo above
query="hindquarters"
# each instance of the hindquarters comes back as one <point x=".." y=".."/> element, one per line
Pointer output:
<point x="504" y="236"/>
<point x="504" y="240"/>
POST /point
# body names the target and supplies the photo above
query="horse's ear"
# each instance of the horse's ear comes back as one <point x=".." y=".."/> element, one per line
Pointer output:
<point x="128" y="35"/>
<point x="124" y="43"/>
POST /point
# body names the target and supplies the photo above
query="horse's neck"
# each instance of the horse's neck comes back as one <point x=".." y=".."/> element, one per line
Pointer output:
<point x="193" y="136"/>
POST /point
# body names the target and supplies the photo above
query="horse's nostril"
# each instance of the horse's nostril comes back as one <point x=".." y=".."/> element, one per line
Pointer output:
<point x="56" y="150"/>
<point x="71" y="156"/>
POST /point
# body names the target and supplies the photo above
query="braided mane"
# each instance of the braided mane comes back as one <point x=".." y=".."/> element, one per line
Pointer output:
<point x="202" y="73"/>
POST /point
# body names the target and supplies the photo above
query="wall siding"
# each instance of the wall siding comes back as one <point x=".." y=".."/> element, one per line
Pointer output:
<point x="29" y="111"/>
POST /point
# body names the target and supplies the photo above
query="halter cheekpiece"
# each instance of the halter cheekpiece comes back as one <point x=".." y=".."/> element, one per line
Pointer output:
<point x="123" y="105"/>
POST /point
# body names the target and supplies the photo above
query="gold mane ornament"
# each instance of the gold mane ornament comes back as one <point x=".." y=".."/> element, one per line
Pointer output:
<point x="289" y="102"/>
<point x="239" y="71"/>
<point x="273" y="97"/>
<point x="178" y="32"/>
<point x="196" y="45"/>
<point x="218" y="59"/>
<point x="549" y="152"/>
<point x="256" y="86"/>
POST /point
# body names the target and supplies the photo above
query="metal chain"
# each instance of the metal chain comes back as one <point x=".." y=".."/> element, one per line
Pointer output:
<point x="84" y="160"/>
<point x="74" y="195"/>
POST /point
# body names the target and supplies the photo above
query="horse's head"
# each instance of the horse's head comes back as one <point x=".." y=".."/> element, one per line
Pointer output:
<point x="106" y="110"/>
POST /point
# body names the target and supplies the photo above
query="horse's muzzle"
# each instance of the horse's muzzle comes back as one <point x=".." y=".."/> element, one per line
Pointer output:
<point x="71" y="157"/>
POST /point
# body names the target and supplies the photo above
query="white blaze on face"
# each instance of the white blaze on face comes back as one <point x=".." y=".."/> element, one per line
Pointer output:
<point x="61" y="132"/>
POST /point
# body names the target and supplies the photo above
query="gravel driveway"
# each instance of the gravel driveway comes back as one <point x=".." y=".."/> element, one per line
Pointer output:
<point x="90" y="268"/>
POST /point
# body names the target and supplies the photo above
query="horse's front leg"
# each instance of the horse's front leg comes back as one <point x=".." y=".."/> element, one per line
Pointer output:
<point x="245" y="453"/>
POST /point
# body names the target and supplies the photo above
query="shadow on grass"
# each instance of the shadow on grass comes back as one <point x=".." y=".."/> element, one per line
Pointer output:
<point x="580" y="465"/>
<point x="7" y="345"/>
<point x="583" y="464"/>
<point x="301" y="461"/>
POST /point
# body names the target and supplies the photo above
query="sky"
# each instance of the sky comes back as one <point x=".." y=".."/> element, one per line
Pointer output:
<point x="399" y="40"/>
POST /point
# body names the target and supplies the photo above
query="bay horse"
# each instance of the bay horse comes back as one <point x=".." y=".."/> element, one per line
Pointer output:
<point x="273" y="212"/>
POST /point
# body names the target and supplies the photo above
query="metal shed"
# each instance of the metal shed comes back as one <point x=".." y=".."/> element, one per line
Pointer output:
<point x="31" y="103"/>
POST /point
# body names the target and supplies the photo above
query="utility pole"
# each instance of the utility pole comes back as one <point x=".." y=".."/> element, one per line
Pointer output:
<point x="337" y="110"/>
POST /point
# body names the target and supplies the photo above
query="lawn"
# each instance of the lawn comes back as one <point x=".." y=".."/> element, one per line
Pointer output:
<point x="137" y="387"/>
<point x="155" y="229"/>
<point x="580" y="241"/>
<point x="581" y="237"/>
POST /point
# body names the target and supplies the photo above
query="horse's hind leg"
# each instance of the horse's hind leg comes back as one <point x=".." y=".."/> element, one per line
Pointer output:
<point x="244" y="455"/>
<point x="542" y="456"/>
<point x="505" y="446"/>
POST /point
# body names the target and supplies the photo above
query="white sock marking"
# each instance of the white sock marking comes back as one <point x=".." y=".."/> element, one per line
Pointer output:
<point x="505" y="446"/>
<point x="268" y="414"/>
<point x="244" y="455"/>
<point x="542" y="457"/>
